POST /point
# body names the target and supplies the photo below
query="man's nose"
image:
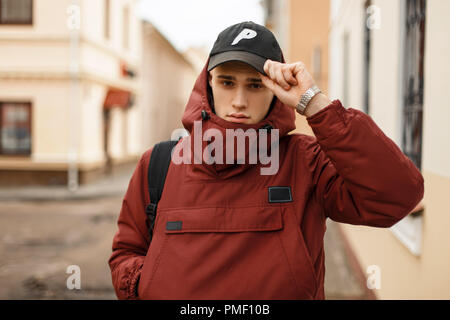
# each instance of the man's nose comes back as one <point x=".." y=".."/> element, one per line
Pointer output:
<point x="240" y="99"/>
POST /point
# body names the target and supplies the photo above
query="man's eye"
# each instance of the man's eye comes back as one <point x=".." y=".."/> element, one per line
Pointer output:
<point x="227" y="83"/>
<point x="255" y="86"/>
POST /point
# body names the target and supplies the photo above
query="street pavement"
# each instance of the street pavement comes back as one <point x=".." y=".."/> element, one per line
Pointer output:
<point x="44" y="230"/>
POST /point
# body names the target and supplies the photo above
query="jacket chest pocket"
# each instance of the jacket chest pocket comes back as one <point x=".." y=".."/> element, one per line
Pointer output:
<point x="225" y="253"/>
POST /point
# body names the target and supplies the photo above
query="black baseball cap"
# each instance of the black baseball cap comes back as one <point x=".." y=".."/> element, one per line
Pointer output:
<point x="248" y="42"/>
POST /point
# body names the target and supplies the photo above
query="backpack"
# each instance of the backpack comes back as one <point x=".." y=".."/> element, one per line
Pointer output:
<point x="157" y="171"/>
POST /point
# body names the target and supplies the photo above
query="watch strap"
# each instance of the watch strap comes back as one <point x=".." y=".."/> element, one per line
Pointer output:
<point x="306" y="98"/>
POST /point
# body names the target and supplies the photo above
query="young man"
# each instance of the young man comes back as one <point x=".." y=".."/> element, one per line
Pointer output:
<point x="224" y="230"/>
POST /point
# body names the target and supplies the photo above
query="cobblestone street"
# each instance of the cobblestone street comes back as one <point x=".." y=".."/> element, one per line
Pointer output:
<point x="40" y="239"/>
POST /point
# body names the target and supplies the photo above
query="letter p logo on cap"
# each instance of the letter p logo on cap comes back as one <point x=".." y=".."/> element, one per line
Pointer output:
<point x="244" y="34"/>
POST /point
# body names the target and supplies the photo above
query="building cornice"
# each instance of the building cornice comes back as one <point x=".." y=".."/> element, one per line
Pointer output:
<point x="124" y="84"/>
<point x="105" y="47"/>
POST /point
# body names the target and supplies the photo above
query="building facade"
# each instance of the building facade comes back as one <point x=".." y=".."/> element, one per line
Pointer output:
<point x="168" y="78"/>
<point x="69" y="89"/>
<point x="85" y="88"/>
<point x="389" y="59"/>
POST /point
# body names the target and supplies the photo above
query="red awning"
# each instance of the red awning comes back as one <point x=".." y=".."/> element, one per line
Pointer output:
<point x="117" y="98"/>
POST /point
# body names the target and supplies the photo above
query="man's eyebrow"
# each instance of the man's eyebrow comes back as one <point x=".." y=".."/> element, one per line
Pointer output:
<point x="226" y="77"/>
<point x="234" y="78"/>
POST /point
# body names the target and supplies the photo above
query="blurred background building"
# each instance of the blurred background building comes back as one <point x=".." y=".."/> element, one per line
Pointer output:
<point x="79" y="82"/>
<point x="301" y="27"/>
<point x="69" y="89"/>
<point x="388" y="59"/>
<point x="168" y="78"/>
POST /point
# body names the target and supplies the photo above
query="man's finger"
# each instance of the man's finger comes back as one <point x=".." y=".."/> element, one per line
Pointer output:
<point x="267" y="82"/>
<point x="276" y="75"/>
<point x="271" y="72"/>
<point x="298" y="68"/>
<point x="266" y="66"/>
<point x="280" y="78"/>
<point x="287" y="72"/>
<point x="282" y="73"/>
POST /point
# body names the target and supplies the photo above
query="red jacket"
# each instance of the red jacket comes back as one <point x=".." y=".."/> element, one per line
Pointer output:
<point x="234" y="243"/>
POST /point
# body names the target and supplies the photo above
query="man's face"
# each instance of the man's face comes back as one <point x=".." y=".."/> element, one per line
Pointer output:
<point x="238" y="92"/>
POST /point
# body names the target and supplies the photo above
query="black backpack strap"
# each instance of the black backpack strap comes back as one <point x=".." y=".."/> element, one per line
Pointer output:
<point x="157" y="171"/>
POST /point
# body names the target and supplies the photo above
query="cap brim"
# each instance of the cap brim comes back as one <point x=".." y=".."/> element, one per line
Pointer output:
<point x="255" y="61"/>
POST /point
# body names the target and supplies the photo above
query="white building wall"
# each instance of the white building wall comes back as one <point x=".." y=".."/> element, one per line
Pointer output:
<point x="436" y="139"/>
<point x="417" y="269"/>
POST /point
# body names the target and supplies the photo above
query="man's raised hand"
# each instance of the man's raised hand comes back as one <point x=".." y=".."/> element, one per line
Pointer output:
<point x="287" y="81"/>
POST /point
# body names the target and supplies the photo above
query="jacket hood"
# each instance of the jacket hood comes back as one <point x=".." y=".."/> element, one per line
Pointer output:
<point x="198" y="108"/>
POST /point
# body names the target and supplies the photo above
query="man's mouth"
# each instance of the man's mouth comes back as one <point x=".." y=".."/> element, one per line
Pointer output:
<point x="238" y="117"/>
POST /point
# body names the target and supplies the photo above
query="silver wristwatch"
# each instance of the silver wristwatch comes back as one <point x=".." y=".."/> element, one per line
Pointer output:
<point x="306" y="98"/>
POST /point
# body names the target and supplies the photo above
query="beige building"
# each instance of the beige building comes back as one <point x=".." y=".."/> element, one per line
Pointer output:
<point x="301" y="27"/>
<point x="69" y="89"/>
<point x="168" y="79"/>
<point x="390" y="59"/>
<point x="85" y="88"/>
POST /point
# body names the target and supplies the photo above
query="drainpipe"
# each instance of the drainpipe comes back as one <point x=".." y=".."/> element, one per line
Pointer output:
<point x="73" y="24"/>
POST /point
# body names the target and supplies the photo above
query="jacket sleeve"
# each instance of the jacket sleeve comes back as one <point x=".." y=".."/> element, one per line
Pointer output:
<point x="131" y="241"/>
<point x="360" y="175"/>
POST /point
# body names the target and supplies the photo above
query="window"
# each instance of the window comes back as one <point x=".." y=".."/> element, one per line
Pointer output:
<point x="16" y="12"/>
<point x="366" y="67"/>
<point x="126" y="27"/>
<point x="15" y="128"/>
<point x="409" y="230"/>
<point x="413" y="80"/>
<point x="107" y="18"/>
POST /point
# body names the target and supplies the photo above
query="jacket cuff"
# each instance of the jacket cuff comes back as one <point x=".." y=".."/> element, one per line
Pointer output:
<point x="328" y="121"/>
<point x="133" y="281"/>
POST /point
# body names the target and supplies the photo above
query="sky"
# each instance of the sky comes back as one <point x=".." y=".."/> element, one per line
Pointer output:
<point x="188" y="23"/>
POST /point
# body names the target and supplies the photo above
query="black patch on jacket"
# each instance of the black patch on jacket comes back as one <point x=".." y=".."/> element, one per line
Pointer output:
<point x="280" y="194"/>
<point x="173" y="225"/>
